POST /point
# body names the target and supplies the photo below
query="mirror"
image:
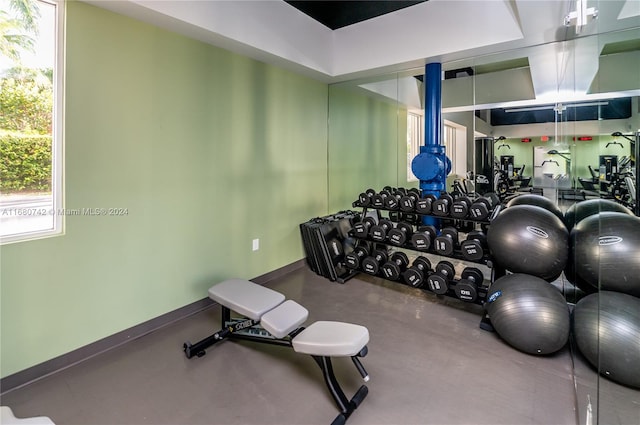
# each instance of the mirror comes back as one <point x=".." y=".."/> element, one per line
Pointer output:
<point x="561" y="119"/>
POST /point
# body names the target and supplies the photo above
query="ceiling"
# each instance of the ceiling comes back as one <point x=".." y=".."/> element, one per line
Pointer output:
<point x="521" y="42"/>
<point x="338" y="14"/>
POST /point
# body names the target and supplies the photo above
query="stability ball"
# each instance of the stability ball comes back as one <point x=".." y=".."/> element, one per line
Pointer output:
<point x="538" y="201"/>
<point x="529" y="239"/>
<point x="606" y="326"/>
<point x="581" y="210"/>
<point x="606" y="252"/>
<point x="529" y="313"/>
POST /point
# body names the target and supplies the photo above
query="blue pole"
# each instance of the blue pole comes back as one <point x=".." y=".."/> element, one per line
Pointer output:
<point x="431" y="165"/>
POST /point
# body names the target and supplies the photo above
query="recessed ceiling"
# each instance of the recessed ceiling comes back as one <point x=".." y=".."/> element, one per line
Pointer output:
<point x="338" y="14"/>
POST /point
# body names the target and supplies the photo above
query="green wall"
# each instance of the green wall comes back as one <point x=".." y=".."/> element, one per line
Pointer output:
<point x="367" y="145"/>
<point x="206" y="149"/>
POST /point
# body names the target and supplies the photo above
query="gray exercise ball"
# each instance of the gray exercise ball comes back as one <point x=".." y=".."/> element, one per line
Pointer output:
<point x="538" y="201"/>
<point x="581" y="210"/>
<point x="529" y="313"/>
<point x="529" y="239"/>
<point x="606" y="252"/>
<point x="606" y="327"/>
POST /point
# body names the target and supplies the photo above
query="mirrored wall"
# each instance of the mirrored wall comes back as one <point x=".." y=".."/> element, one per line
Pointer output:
<point x="558" y="119"/>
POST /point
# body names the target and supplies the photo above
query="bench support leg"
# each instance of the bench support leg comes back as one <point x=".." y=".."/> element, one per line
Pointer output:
<point x="345" y="405"/>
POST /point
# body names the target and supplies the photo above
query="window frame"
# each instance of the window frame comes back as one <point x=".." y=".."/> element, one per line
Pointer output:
<point x="57" y="136"/>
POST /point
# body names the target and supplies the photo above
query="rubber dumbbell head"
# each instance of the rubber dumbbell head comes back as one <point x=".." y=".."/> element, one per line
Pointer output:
<point x="408" y="201"/>
<point x="480" y="209"/>
<point x="442" y="206"/>
<point x="371" y="264"/>
<point x="362" y="228"/>
<point x="378" y="199"/>
<point x="447" y="241"/>
<point x="392" y="202"/>
<point x="425" y="205"/>
<point x="467" y="288"/>
<point x="353" y="259"/>
<point x="400" y="234"/>
<point x="460" y="207"/>
<point x="475" y="246"/>
<point x="416" y="274"/>
<point x="365" y="197"/>
<point x="379" y="232"/>
<point x="393" y="268"/>
<point x="439" y="281"/>
<point x="423" y="238"/>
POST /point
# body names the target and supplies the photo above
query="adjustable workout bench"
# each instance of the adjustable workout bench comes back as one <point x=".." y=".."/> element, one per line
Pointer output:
<point x="268" y="318"/>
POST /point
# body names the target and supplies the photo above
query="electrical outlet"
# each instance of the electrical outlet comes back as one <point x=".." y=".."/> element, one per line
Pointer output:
<point x="256" y="244"/>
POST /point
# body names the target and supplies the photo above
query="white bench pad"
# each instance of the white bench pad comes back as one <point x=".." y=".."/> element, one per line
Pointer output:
<point x="245" y="297"/>
<point x="8" y="418"/>
<point x="284" y="319"/>
<point x="331" y="339"/>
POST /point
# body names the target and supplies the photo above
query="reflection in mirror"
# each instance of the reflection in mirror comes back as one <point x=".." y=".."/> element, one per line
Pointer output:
<point x="560" y="119"/>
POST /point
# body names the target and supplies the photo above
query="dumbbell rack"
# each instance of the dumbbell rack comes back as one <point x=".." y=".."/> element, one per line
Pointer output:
<point x="469" y="223"/>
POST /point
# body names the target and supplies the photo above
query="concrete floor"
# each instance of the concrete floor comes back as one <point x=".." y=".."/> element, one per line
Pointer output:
<point x="429" y="363"/>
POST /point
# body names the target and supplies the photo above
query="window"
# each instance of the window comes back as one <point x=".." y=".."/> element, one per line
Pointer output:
<point x="31" y="124"/>
<point x="454" y="136"/>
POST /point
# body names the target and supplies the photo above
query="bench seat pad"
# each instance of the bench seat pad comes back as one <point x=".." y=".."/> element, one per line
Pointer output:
<point x="245" y="297"/>
<point x="284" y="319"/>
<point x="331" y="339"/>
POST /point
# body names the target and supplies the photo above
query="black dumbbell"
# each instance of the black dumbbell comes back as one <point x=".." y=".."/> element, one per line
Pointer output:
<point x="392" y="201"/>
<point x="442" y="206"/>
<point x="460" y="207"/>
<point x="424" y="205"/>
<point x="354" y="258"/>
<point x="378" y="199"/>
<point x="447" y="241"/>
<point x="408" y="201"/>
<point x="365" y="197"/>
<point x="467" y="288"/>
<point x="416" y="274"/>
<point x="371" y="264"/>
<point x="439" y="281"/>
<point x="362" y="228"/>
<point x="393" y="268"/>
<point x="379" y="232"/>
<point x="400" y="234"/>
<point x="475" y="246"/>
<point x="423" y="238"/>
<point x="480" y="209"/>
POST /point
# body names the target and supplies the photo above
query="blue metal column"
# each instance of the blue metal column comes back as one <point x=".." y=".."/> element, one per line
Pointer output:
<point x="431" y="165"/>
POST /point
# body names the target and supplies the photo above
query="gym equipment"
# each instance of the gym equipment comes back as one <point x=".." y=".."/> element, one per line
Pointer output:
<point x="408" y="201"/>
<point x="362" y="228"/>
<point x="481" y="208"/>
<point x="529" y="239"/>
<point x="606" y="326"/>
<point x="379" y="232"/>
<point x="460" y="207"/>
<point x="425" y="205"/>
<point x="475" y="246"/>
<point x="365" y="197"/>
<point x="423" y="238"/>
<point x="393" y="268"/>
<point x="400" y="234"/>
<point x="439" y="281"/>
<point x="268" y="318"/>
<point x="581" y="210"/>
<point x="326" y="242"/>
<point x="371" y="264"/>
<point x="353" y="259"/>
<point x="8" y="418"/>
<point x="415" y="274"/>
<point x="447" y="241"/>
<point x="606" y="247"/>
<point x="467" y="287"/>
<point x="538" y="201"/>
<point x="528" y="313"/>
<point x="484" y="159"/>
<point x="378" y="200"/>
<point x="392" y="202"/>
<point x="442" y="205"/>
